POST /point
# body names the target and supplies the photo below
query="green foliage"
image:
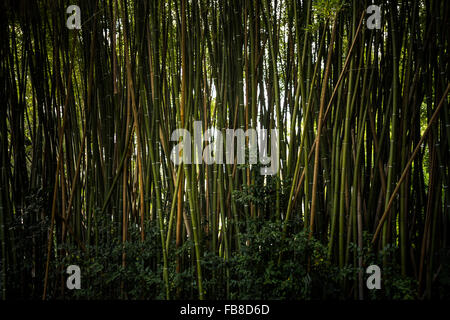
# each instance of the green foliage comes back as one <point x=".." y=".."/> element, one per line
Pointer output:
<point x="270" y="267"/>
<point x="257" y="272"/>
<point x="267" y="267"/>
<point x="394" y="286"/>
<point x="103" y="276"/>
<point x="327" y="9"/>
<point x="262" y="193"/>
<point x="324" y="10"/>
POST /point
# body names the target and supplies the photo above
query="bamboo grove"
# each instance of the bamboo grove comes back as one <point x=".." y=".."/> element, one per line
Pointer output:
<point x="86" y="122"/>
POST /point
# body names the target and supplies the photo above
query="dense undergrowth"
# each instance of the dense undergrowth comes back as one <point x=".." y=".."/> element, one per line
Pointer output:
<point x="267" y="267"/>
